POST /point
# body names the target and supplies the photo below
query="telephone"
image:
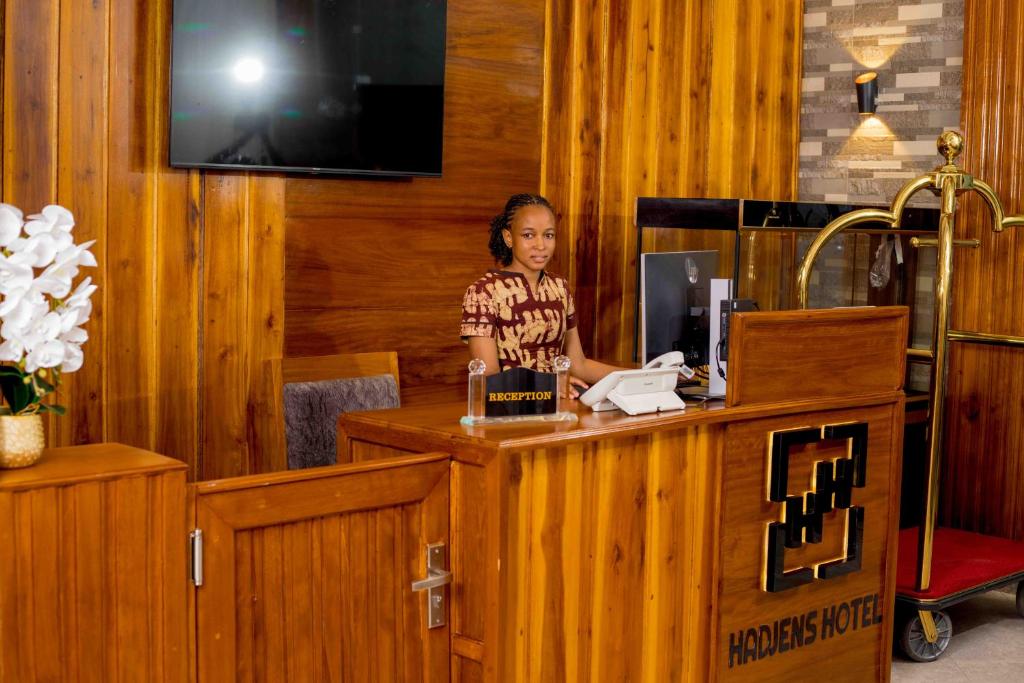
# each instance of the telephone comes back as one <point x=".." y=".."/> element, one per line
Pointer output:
<point x="671" y="359"/>
<point x="647" y="390"/>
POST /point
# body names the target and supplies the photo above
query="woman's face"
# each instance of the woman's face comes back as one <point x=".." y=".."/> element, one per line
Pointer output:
<point x="532" y="238"/>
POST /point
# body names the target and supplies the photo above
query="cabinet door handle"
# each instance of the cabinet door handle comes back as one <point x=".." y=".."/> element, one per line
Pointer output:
<point x="435" y="581"/>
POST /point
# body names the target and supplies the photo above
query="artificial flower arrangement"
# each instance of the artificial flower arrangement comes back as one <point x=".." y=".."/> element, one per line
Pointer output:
<point x="41" y="317"/>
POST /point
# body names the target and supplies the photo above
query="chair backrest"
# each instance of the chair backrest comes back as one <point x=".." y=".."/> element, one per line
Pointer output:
<point x="318" y="389"/>
<point x="340" y="366"/>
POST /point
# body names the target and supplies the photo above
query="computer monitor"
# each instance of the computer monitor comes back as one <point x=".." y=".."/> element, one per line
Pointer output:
<point x="675" y="304"/>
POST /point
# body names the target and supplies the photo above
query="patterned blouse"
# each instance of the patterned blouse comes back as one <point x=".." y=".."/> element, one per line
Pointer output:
<point x="528" y="326"/>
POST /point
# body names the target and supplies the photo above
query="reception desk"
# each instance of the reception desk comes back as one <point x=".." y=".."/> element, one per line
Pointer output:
<point x="752" y="539"/>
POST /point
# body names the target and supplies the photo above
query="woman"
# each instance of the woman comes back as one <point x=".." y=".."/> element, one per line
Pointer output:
<point x="522" y="315"/>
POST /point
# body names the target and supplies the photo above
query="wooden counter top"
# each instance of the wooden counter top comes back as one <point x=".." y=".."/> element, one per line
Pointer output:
<point x="785" y="363"/>
<point x="436" y="427"/>
<point x="93" y="462"/>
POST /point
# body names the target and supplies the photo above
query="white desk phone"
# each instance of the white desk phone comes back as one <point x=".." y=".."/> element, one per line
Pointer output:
<point x="650" y="389"/>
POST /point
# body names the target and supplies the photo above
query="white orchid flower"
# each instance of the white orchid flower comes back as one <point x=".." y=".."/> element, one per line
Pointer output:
<point x="40" y="330"/>
<point x="55" y="216"/>
<point x="21" y="306"/>
<point x="14" y="274"/>
<point x="49" y="354"/>
<point x="68" y="318"/>
<point x="72" y="316"/>
<point x="80" y="254"/>
<point x="56" y="285"/>
<point x="41" y="317"/>
<point x="12" y="350"/>
<point x="78" y="306"/>
<point x="10" y="224"/>
<point x="56" y="279"/>
<point x="41" y="247"/>
<point x="72" y="358"/>
<point x="82" y="293"/>
<point x="76" y="335"/>
<point x="11" y="302"/>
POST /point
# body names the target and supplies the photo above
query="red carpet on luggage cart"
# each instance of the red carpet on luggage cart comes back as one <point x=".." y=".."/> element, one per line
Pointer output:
<point x="964" y="564"/>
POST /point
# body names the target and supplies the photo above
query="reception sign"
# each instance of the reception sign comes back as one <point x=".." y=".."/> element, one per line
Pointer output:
<point x="521" y="391"/>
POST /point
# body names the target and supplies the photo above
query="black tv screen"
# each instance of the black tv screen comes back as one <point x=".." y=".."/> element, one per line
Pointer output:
<point x="332" y="86"/>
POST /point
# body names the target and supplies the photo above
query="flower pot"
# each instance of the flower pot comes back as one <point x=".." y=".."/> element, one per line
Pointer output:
<point x="21" y="440"/>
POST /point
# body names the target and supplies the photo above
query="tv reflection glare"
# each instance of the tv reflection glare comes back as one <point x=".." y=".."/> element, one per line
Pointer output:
<point x="332" y="86"/>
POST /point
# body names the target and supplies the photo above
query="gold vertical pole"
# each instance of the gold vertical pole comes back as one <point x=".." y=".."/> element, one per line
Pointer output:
<point x="943" y="307"/>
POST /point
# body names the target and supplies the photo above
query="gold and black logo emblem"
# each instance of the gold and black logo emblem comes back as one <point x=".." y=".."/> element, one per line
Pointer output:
<point x="832" y="488"/>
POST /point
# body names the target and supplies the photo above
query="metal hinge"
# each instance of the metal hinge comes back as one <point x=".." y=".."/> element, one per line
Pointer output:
<point x="196" y="545"/>
<point x="437" y="578"/>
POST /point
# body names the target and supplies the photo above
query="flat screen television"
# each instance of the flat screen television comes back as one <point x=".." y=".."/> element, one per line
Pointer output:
<point x="323" y="86"/>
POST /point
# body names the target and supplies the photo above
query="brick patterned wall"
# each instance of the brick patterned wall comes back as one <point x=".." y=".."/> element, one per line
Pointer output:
<point x="916" y="47"/>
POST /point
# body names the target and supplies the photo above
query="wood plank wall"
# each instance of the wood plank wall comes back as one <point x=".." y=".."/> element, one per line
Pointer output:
<point x="382" y="265"/>
<point x="189" y="313"/>
<point x="653" y="97"/>
<point x="591" y="103"/>
<point x="984" y="447"/>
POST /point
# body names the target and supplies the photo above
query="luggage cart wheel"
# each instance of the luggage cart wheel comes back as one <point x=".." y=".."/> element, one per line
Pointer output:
<point x="1020" y="598"/>
<point x="920" y="645"/>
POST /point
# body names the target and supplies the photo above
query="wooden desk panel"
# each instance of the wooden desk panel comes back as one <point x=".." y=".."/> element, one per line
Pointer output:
<point x="797" y="355"/>
<point x="590" y="551"/>
<point x="606" y="569"/>
<point x="855" y="651"/>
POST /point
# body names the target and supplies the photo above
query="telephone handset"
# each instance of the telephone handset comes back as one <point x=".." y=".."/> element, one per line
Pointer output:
<point x="669" y="360"/>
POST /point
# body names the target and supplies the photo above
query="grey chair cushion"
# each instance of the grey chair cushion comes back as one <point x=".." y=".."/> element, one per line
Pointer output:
<point x="311" y="411"/>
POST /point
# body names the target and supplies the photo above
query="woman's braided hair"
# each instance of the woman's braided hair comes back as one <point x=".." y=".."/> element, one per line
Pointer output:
<point x="503" y="221"/>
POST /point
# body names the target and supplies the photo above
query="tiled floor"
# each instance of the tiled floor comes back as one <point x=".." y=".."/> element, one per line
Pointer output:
<point x="987" y="645"/>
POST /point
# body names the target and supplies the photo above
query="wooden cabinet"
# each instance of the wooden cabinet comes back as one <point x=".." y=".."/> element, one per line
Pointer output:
<point x="93" y="576"/>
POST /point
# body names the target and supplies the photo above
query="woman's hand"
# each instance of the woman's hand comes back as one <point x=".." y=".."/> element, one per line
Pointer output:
<point x="576" y="387"/>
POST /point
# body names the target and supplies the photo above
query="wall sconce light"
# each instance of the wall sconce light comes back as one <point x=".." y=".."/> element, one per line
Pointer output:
<point x="867" y="92"/>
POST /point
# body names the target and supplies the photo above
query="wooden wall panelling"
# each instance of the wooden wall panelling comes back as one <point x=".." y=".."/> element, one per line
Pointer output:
<point x="242" y="326"/>
<point x="132" y="193"/>
<point x="494" y="135"/>
<point x="177" y="325"/>
<point x="82" y="153"/>
<point x="627" y="149"/>
<point x="224" y="325"/>
<point x="754" y="131"/>
<point x="30" y="86"/>
<point x="85" y="124"/>
<point x="574" y="57"/>
<point x="755" y="74"/>
<point x="432" y="361"/>
<point x="265" y="283"/>
<point x="983" y="474"/>
<point x="31" y="31"/>
<point x="662" y="100"/>
<point x="377" y="265"/>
